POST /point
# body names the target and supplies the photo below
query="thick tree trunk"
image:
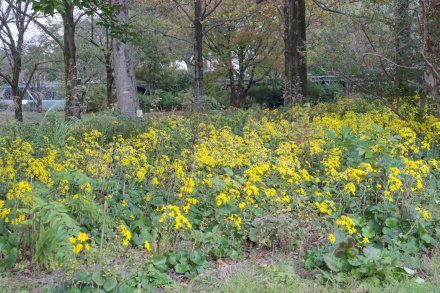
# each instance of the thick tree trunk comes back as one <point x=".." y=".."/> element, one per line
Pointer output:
<point x="431" y="46"/>
<point x="295" y="91"/>
<point x="72" y="107"/>
<point x="242" y="96"/>
<point x="123" y="65"/>
<point x="198" y="51"/>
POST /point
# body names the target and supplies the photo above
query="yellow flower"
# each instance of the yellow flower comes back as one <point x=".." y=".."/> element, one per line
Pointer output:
<point x="350" y="188"/>
<point x="72" y="239"/>
<point x="365" y="240"/>
<point x="331" y="238"/>
<point x="78" y="248"/>
<point x="426" y="214"/>
<point x="155" y="181"/>
<point x="87" y="247"/>
<point x="83" y="237"/>
<point x="147" y="246"/>
<point x="124" y="203"/>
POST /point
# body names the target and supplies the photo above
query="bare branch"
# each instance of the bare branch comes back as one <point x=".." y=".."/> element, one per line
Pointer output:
<point x="391" y="61"/>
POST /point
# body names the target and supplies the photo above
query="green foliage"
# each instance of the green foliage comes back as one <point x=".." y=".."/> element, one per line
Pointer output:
<point x="317" y="93"/>
<point x="95" y="97"/>
<point x="146" y="277"/>
<point x="54" y="225"/>
<point x="270" y="96"/>
<point x="182" y="262"/>
<point x="160" y="100"/>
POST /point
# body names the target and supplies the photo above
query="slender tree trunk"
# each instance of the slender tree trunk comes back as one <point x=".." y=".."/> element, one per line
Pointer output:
<point x="123" y="65"/>
<point x="423" y="98"/>
<point x="16" y="70"/>
<point x="109" y="79"/>
<point x="295" y="52"/>
<point x="242" y="88"/>
<point x="233" y="94"/>
<point x="198" y="50"/>
<point x="402" y="32"/>
<point x="72" y="107"/>
<point x="15" y="88"/>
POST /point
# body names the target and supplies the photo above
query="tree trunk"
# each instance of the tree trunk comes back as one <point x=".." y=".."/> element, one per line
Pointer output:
<point x="72" y="107"/>
<point x="242" y="87"/>
<point x="123" y="65"/>
<point x="402" y="32"/>
<point x="423" y="92"/>
<point x="109" y="79"/>
<point x="295" y="52"/>
<point x="431" y="47"/>
<point x="233" y="94"/>
<point x="17" y="95"/>
<point x="198" y="51"/>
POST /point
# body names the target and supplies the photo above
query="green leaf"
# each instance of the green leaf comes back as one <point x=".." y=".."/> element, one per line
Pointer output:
<point x="368" y="232"/>
<point x="124" y="288"/>
<point x="392" y="222"/>
<point x="369" y="154"/>
<point x="159" y="260"/>
<point x="356" y="261"/>
<point x="83" y="277"/>
<point x="172" y="259"/>
<point x="428" y="239"/>
<point x="228" y="171"/>
<point x="197" y="257"/>
<point x="182" y="268"/>
<point x="372" y="253"/>
<point x="95" y="277"/>
<point x="333" y="263"/>
<point x="331" y="134"/>
<point x="253" y="234"/>
<point x="110" y="284"/>
<point x="233" y="254"/>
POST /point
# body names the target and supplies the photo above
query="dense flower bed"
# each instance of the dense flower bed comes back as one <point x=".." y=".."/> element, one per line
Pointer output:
<point x="367" y="182"/>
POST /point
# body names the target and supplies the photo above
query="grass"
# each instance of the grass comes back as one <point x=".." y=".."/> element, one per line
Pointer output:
<point x="268" y="272"/>
<point x="280" y="275"/>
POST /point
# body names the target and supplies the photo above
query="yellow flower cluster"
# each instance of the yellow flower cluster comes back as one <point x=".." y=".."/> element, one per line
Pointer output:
<point x="348" y="223"/>
<point x="331" y="238"/>
<point x="326" y="207"/>
<point x="236" y="220"/>
<point x="173" y="212"/>
<point x="80" y="242"/>
<point x="126" y="235"/>
<point x="425" y="214"/>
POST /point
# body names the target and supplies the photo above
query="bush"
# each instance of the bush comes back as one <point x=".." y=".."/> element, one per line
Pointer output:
<point x="271" y="96"/>
<point x="161" y="100"/>
<point x="95" y="97"/>
<point x="323" y="92"/>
